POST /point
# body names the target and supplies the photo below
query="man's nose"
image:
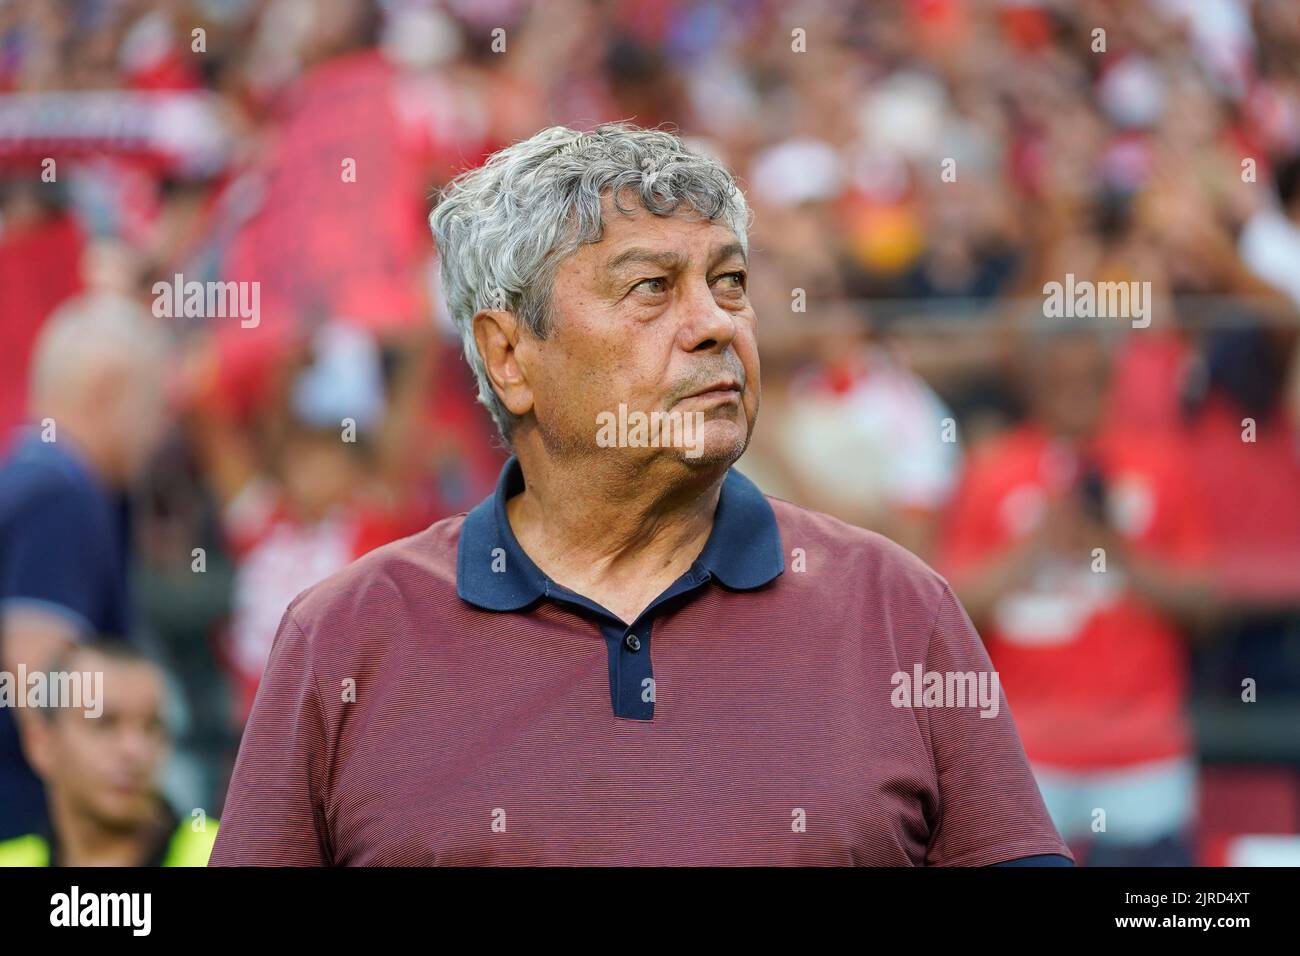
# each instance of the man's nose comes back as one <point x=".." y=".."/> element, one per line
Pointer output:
<point x="707" y="327"/>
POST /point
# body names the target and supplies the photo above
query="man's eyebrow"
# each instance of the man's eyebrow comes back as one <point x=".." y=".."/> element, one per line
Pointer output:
<point x="671" y="260"/>
<point x="723" y="253"/>
<point x="665" y="260"/>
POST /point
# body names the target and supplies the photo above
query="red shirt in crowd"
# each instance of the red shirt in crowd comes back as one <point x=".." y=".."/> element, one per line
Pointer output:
<point x="51" y="252"/>
<point x="1095" y="676"/>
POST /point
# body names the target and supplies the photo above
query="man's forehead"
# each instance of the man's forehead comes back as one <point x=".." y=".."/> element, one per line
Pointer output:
<point x="630" y="236"/>
<point x="127" y="682"/>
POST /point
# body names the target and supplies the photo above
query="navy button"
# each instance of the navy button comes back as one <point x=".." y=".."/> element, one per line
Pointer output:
<point x="633" y="642"/>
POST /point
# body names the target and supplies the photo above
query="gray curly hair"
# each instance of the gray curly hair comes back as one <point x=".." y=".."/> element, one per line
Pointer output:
<point x="502" y="229"/>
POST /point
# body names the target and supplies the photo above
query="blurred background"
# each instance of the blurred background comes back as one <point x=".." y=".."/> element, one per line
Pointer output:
<point x="918" y="170"/>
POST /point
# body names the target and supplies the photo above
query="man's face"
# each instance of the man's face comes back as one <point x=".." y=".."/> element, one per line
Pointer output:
<point x="106" y="766"/>
<point x="132" y="409"/>
<point x="656" y="317"/>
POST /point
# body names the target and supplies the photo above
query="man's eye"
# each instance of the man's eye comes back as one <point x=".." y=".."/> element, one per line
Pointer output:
<point x="644" y="285"/>
<point x="737" y="279"/>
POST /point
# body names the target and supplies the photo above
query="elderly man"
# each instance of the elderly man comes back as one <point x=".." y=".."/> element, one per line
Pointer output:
<point x="627" y="655"/>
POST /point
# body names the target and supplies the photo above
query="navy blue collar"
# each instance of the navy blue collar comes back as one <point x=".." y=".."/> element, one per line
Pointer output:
<point x="496" y="574"/>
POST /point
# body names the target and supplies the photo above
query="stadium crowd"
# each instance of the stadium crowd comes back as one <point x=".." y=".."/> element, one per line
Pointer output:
<point x="918" y="170"/>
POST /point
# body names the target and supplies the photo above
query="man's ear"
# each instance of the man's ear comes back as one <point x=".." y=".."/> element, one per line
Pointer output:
<point x="496" y="333"/>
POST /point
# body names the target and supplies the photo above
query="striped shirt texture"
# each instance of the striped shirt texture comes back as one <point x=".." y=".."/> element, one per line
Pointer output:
<point x="441" y="702"/>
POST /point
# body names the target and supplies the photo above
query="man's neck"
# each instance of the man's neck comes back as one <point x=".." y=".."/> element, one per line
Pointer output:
<point x="611" y="533"/>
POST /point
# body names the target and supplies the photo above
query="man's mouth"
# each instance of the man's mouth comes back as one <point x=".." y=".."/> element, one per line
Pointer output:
<point x="722" y="390"/>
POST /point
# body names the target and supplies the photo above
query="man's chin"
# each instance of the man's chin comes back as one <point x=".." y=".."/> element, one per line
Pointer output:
<point x="124" y="814"/>
<point x="719" y="442"/>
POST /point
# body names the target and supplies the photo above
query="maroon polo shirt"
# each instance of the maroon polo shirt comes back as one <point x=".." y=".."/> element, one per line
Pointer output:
<point x="441" y="701"/>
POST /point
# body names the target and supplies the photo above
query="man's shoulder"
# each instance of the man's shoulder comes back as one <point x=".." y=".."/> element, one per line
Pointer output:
<point x="417" y="569"/>
<point x="36" y="478"/>
<point x="836" y="554"/>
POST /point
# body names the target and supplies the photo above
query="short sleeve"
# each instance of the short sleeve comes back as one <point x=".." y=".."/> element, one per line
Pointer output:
<point x="990" y="808"/>
<point x="37" y="563"/>
<point x="273" y="814"/>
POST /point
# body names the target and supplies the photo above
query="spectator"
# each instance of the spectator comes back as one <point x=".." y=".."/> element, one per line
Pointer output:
<point x="860" y="436"/>
<point x="1270" y="241"/>
<point x="100" y="766"/>
<point x="1087" y="641"/>
<point x="96" y="394"/>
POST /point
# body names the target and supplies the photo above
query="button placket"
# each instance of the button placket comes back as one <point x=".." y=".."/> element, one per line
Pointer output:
<point x="630" y="669"/>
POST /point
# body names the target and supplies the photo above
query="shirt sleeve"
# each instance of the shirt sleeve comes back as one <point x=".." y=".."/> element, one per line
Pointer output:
<point x="274" y="813"/>
<point x="990" y="808"/>
<point x="36" y="567"/>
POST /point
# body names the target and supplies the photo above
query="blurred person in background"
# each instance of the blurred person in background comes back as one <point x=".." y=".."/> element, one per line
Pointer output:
<point x="100" y="772"/>
<point x="1239" y="406"/>
<point x="1089" y="644"/>
<point x="97" y="401"/>
<point x="857" y="434"/>
<point x="1270" y="239"/>
<point x="306" y="514"/>
<point x="1217" y="372"/>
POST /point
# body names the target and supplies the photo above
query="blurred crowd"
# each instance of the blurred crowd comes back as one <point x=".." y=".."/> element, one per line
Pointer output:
<point x="918" y="170"/>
